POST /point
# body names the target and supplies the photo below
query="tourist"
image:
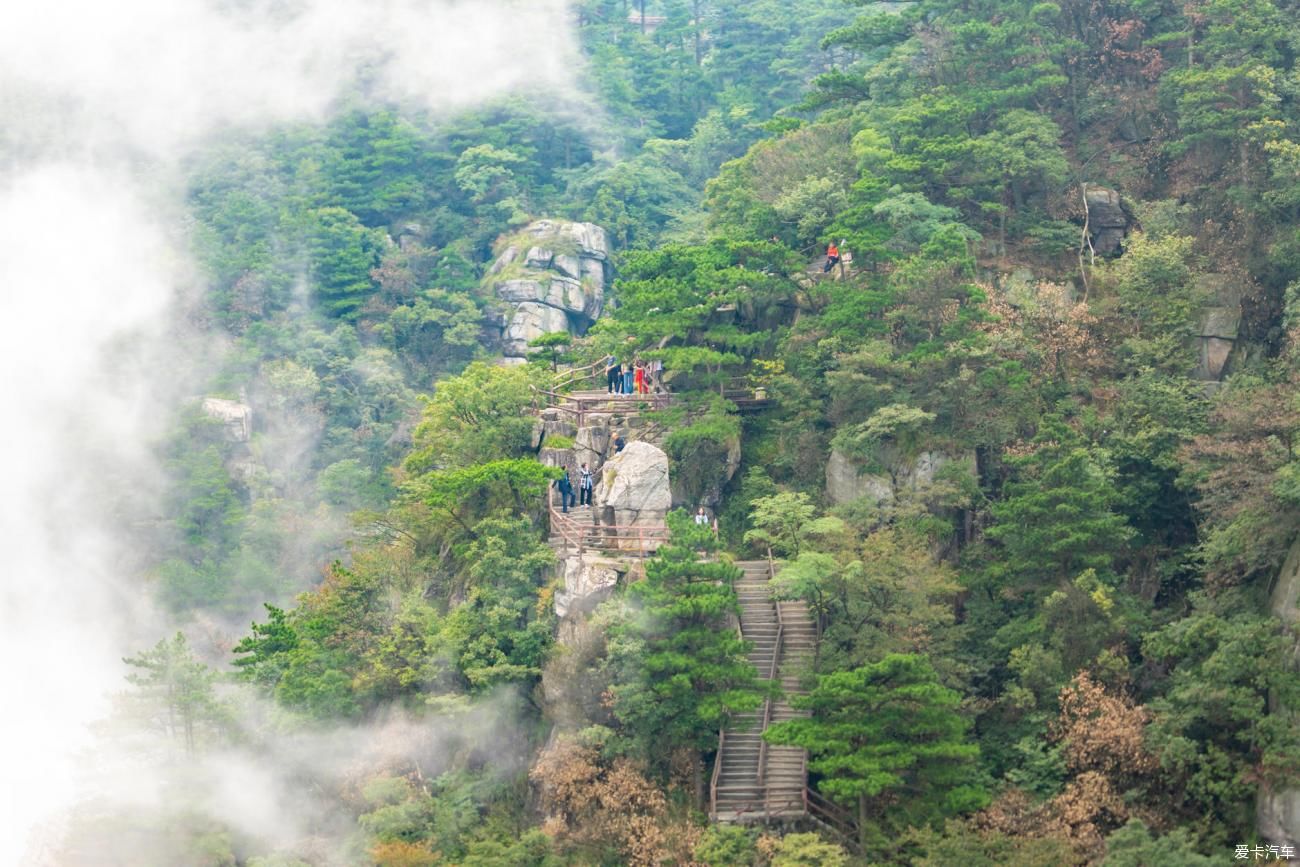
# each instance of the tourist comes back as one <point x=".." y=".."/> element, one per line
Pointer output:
<point x="832" y="257"/>
<point x="613" y="374"/>
<point x="657" y="374"/>
<point x="619" y="442"/>
<point x="566" y="490"/>
<point x="639" y="377"/>
<point x="628" y="375"/>
<point x="701" y="517"/>
<point x="586" y="483"/>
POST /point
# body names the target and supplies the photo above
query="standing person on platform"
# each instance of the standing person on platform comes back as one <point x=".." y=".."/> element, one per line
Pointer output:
<point x="613" y="374"/>
<point x="639" y="377"/>
<point x="586" y="482"/>
<point x="628" y="378"/>
<point x="566" y="490"/>
<point x="657" y="374"/>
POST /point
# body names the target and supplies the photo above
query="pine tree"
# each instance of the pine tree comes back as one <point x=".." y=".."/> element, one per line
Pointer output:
<point x="686" y="664"/>
<point x="887" y="737"/>
<point x="1058" y="521"/>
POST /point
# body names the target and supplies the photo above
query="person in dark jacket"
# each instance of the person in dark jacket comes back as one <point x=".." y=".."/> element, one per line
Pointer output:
<point x="619" y="442"/>
<point x="566" y="490"/>
<point x="614" y="375"/>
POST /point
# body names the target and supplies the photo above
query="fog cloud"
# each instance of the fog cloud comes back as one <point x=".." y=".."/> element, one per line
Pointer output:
<point x="100" y="104"/>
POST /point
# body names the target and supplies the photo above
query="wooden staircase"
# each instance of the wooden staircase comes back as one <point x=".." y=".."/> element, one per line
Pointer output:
<point x="754" y="781"/>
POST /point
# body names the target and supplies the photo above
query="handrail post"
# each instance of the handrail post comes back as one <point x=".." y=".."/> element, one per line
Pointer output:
<point x="717" y="771"/>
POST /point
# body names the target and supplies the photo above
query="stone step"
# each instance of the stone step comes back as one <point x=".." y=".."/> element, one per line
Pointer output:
<point x="784" y="771"/>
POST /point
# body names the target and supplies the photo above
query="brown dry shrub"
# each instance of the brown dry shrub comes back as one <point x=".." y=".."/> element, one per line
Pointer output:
<point x="594" y="804"/>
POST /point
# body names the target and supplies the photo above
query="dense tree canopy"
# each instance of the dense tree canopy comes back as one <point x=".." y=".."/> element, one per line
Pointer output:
<point x="1028" y="453"/>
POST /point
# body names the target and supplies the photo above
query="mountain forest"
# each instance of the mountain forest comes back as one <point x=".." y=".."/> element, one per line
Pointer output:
<point x="975" y="542"/>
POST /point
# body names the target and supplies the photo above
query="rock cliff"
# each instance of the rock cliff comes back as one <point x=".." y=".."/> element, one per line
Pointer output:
<point x="550" y="277"/>
<point x="847" y="481"/>
<point x="1277" y="811"/>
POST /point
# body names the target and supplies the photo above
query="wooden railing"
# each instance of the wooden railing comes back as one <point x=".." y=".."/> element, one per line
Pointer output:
<point x="834" y="817"/>
<point x="578" y="407"/>
<point x="717" y="772"/>
<point x="717" y="761"/>
<point x="595" y="370"/>
<point x="771" y="676"/>
<point x="625" y="539"/>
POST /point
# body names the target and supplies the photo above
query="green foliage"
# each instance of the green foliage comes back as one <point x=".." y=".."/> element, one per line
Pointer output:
<point x="497" y="636"/>
<point x="782" y="522"/>
<point x="808" y="850"/>
<point x="684" y="292"/>
<point x="887" y="738"/>
<point x="726" y="846"/>
<point x="1212" y="730"/>
<point x="1058" y="522"/>
<point x="531" y="849"/>
<point x="699" y="452"/>
<point x="1159" y="302"/>
<point x="964" y="842"/>
<point x="263" y="654"/>
<point x="176" y="694"/>
<point x="946" y="144"/>
<point x="340" y="254"/>
<point x="1134" y="846"/>
<point x="553" y="347"/>
<point x="480" y="415"/>
<point x="682" y="672"/>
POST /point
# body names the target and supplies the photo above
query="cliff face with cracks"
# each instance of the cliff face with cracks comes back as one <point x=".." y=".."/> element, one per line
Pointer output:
<point x="549" y="278"/>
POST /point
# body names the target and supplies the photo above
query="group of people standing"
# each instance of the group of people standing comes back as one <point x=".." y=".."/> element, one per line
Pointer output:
<point x="637" y="377"/>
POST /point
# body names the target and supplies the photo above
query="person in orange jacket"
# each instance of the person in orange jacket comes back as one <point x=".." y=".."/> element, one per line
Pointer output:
<point x="832" y="257"/>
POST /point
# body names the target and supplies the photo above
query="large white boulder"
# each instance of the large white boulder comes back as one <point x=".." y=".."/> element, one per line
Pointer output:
<point x="634" y="491"/>
<point x="564" y="293"/>
<point x="635" y="481"/>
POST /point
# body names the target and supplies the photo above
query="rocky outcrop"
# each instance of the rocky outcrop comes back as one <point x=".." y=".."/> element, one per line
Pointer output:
<point x="1108" y="221"/>
<point x="1220" y="324"/>
<point x="551" y="278"/>
<point x="575" y="681"/>
<point x="529" y="321"/>
<point x="411" y="237"/>
<point x="1277" y="811"/>
<point x="589" y="579"/>
<point x="592" y="444"/>
<point x="847" y="481"/>
<point x="236" y="418"/>
<point x="634" y="489"/>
